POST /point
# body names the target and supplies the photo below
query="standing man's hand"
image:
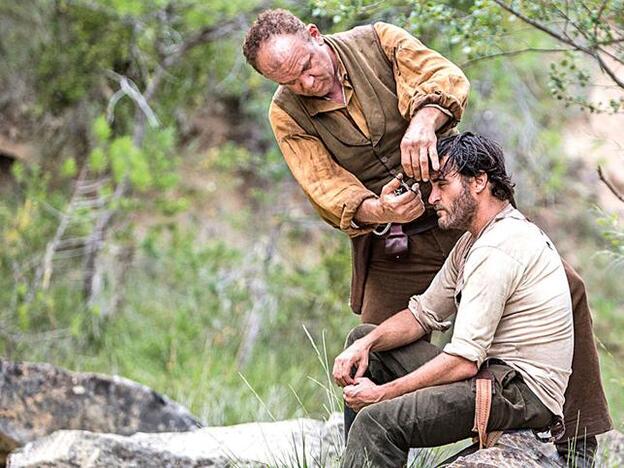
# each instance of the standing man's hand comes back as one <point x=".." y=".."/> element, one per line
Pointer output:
<point x="355" y="356"/>
<point x="399" y="207"/>
<point x="391" y="207"/>
<point x="418" y="146"/>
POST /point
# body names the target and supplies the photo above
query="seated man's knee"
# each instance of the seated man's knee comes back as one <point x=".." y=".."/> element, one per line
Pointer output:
<point x="367" y="420"/>
<point x="378" y="422"/>
<point x="359" y="332"/>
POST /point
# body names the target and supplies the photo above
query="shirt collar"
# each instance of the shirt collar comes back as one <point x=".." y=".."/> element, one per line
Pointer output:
<point x="508" y="212"/>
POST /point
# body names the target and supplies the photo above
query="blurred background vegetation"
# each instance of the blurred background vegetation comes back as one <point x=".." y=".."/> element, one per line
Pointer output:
<point x="150" y="228"/>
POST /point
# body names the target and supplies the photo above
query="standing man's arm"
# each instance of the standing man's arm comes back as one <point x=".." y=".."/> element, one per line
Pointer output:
<point x="432" y="94"/>
<point x="336" y="194"/>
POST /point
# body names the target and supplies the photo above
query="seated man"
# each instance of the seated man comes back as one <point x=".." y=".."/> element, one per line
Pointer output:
<point x="506" y="283"/>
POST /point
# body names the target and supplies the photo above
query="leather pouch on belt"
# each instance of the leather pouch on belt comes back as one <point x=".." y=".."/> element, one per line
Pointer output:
<point x="396" y="243"/>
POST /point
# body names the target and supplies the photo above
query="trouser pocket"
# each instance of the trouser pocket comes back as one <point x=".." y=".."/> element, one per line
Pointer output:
<point x="508" y="409"/>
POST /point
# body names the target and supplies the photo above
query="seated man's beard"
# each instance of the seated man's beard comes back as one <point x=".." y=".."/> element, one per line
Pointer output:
<point x="461" y="212"/>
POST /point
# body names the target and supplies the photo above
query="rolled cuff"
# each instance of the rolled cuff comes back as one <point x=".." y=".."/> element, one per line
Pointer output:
<point x="426" y="319"/>
<point x="467" y="350"/>
<point x="441" y="101"/>
<point x="441" y="109"/>
<point x="347" y="223"/>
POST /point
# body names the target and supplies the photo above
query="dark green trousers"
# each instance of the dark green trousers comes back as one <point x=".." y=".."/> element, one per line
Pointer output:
<point x="382" y="434"/>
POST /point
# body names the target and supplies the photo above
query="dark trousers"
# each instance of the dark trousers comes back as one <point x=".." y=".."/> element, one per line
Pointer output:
<point x="388" y="284"/>
<point x="381" y="434"/>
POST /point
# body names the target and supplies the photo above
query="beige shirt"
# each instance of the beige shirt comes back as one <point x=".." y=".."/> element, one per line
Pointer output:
<point x="510" y="292"/>
<point x="421" y="74"/>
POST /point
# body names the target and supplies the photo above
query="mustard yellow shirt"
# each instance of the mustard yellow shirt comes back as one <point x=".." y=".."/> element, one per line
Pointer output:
<point x="419" y="73"/>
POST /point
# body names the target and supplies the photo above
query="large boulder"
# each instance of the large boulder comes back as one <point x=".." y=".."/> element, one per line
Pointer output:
<point x="39" y="399"/>
<point x="520" y="449"/>
<point x="300" y="442"/>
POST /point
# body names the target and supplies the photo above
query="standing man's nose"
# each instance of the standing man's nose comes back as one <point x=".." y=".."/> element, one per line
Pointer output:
<point x="307" y="81"/>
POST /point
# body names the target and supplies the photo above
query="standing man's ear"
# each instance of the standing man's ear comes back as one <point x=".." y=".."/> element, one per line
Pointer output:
<point x="315" y="33"/>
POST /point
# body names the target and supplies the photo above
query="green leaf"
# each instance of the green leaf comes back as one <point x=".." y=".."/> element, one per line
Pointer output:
<point x="97" y="160"/>
<point x="120" y="151"/>
<point x="101" y="130"/>
<point x="23" y="317"/>
<point x="69" y="168"/>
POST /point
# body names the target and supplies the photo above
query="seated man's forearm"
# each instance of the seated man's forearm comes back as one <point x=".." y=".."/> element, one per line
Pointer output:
<point x="398" y="330"/>
<point x="443" y="369"/>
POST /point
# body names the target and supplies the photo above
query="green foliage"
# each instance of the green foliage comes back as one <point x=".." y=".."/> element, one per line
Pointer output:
<point x="613" y="232"/>
<point x="482" y="29"/>
<point x="82" y="45"/>
<point x="232" y="157"/>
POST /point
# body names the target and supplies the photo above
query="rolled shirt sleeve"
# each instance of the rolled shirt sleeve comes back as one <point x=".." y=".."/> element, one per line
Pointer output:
<point x="437" y="303"/>
<point x="334" y="192"/>
<point x="489" y="278"/>
<point x="424" y="78"/>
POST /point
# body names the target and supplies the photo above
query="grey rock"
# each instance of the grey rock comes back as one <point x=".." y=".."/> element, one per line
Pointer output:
<point x="38" y="399"/>
<point x="610" y="450"/>
<point x="520" y="449"/>
<point x="300" y="442"/>
<point x="514" y="449"/>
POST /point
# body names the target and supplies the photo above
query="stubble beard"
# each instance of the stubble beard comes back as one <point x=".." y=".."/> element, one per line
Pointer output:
<point x="461" y="212"/>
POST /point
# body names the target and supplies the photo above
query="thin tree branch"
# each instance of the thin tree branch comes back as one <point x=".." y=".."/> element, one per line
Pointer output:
<point x="128" y="88"/>
<point x="543" y="28"/>
<point x="610" y="185"/>
<point x="96" y="241"/>
<point x="511" y="53"/>
<point x="609" y="54"/>
<point x="569" y="21"/>
<point x="203" y="36"/>
<point x="607" y="69"/>
<point x="591" y="52"/>
<point x="601" y="10"/>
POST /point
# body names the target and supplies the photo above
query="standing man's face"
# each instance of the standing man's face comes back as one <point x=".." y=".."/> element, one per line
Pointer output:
<point x="452" y="199"/>
<point x="305" y="66"/>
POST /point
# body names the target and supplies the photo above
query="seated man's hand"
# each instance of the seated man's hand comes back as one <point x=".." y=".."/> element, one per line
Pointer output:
<point x="363" y="393"/>
<point x="354" y="356"/>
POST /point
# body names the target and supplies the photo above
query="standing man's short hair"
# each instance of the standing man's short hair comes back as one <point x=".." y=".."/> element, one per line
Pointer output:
<point x="268" y="24"/>
<point x="470" y="155"/>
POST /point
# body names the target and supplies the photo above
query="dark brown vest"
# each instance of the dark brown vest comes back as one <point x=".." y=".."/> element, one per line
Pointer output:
<point x="372" y="78"/>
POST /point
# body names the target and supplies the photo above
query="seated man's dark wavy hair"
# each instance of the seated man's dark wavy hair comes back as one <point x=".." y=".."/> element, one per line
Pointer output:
<point x="470" y="155"/>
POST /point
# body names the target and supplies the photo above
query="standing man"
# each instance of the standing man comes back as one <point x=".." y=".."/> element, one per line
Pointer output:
<point x="357" y="116"/>
<point x="355" y="111"/>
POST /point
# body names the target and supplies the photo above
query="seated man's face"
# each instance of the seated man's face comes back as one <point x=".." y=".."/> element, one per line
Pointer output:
<point x="303" y="66"/>
<point x="451" y="198"/>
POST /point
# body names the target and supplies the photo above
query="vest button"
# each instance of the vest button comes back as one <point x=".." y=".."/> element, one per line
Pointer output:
<point x="384" y="159"/>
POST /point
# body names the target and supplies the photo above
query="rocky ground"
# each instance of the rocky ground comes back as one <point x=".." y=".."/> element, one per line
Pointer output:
<point x="50" y="417"/>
